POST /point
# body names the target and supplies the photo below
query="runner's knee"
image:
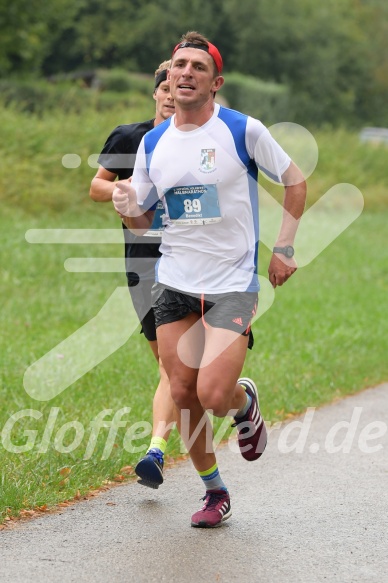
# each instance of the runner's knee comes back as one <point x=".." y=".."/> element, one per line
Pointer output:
<point x="214" y="399"/>
<point x="183" y="394"/>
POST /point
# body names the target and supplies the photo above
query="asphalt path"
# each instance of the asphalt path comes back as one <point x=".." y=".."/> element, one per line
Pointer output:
<point x="313" y="508"/>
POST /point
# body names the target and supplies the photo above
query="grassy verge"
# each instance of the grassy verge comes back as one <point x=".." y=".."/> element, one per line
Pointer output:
<point x="325" y="335"/>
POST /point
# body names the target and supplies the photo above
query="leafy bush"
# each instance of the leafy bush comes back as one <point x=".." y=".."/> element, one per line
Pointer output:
<point x="102" y="89"/>
<point x="266" y="101"/>
<point x="40" y="96"/>
<point x="121" y="81"/>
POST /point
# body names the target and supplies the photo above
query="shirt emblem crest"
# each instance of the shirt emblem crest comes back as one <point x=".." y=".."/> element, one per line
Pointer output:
<point x="208" y="159"/>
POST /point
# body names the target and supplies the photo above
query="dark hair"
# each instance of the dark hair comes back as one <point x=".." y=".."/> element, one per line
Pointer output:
<point x="194" y="39"/>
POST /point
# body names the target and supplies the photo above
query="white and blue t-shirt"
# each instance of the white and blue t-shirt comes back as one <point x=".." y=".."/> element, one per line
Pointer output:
<point x="207" y="181"/>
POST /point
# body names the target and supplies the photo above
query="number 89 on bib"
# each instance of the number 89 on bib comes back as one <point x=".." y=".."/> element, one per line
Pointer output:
<point x="193" y="205"/>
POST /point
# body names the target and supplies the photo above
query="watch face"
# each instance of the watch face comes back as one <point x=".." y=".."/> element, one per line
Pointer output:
<point x="289" y="251"/>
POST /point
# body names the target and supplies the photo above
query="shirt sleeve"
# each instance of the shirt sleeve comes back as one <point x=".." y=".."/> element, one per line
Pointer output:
<point x="146" y="192"/>
<point x="265" y="150"/>
<point x="118" y="156"/>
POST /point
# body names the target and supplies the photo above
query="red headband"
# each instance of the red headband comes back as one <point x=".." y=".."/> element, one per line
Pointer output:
<point x="211" y="49"/>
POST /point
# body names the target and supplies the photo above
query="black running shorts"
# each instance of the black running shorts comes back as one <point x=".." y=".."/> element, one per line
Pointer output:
<point x="141" y="299"/>
<point x="230" y="311"/>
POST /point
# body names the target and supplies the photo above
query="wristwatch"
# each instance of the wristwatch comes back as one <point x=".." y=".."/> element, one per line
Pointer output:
<point x="288" y="251"/>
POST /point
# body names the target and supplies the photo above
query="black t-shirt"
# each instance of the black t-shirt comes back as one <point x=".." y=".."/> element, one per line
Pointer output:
<point x="118" y="156"/>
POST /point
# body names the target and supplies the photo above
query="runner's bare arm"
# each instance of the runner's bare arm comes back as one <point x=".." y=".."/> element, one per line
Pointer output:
<point x="281" y="268"/>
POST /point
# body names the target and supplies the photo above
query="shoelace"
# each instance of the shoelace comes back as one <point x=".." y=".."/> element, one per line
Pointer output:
<point x="156" y="455"/>
<point x="212" y="499"/>
<point x="243" y="429"/>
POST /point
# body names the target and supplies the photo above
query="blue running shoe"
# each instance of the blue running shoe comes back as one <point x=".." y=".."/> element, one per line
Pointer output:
<point x="150" y="469"/>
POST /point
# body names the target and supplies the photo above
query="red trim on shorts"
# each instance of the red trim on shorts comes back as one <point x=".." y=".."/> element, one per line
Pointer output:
<point x="253" y="314"/>
<point x="202" y="308"/>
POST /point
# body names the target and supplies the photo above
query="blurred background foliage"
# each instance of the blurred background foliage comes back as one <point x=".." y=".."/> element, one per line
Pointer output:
<point x="305" y="61"/>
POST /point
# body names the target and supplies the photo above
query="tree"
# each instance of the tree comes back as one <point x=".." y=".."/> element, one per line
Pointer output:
<point x="26" y="33"/>
<point x="317" y="49"/>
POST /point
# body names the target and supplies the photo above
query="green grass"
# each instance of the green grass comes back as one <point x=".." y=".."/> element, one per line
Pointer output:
<point x="43" y="304"/>
<point x="325" y="335"/>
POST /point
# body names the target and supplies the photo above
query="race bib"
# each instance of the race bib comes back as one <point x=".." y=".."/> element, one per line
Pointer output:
<point x="193" y="205"/>
<point x="157" y="227"/>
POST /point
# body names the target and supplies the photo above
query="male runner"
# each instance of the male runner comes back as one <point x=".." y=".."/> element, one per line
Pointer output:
<point x="203" y="165"/>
